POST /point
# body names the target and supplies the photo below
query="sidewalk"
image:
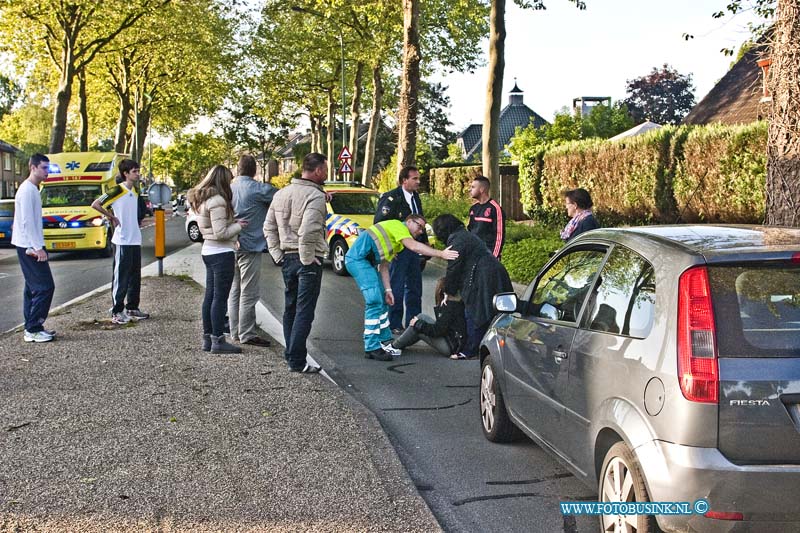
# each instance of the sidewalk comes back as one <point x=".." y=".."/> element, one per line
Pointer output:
<point x="133" y="428"/>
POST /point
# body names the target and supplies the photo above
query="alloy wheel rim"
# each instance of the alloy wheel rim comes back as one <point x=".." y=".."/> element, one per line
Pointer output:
<point x="488" y="398"/>
<point x="618" y="487"/>
<point x="338" y="257"/>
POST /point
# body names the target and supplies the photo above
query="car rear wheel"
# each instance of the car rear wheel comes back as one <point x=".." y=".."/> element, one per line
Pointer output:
<point x="194" y="232"/>
<point x="495" y="422"/>
<point x="621" y="480"/>
<point x="338" y="251"/>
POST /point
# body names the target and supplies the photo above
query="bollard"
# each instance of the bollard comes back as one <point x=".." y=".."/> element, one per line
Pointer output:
<point x="160" y="239"/>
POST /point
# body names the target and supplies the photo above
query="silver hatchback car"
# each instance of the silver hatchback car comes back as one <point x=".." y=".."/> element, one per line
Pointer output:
<point x="660" y="364"/>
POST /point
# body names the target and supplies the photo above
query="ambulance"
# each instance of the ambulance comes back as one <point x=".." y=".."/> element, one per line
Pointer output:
<point x="74" y="181"/>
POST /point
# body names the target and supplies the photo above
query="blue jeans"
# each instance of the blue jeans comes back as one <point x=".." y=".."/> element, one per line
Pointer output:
<point x="405" y="277"/>
<point x="219" y="278"/>
<point x="38" y="292"/>
<point x="303" y="283"/>
<point x="474" y="335"/>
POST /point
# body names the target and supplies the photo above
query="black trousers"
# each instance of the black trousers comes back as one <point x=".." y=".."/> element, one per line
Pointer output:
<point x="126" y="279"/>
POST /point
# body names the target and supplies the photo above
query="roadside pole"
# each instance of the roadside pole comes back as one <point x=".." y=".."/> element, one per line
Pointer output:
<point x="160" y="194"/>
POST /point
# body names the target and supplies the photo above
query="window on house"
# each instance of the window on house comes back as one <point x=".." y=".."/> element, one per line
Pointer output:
<point x="17" y="167"/>
<point x="6" y="161"/>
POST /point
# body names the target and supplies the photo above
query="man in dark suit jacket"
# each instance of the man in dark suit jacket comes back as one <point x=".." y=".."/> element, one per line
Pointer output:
<point x="405" y="272"/>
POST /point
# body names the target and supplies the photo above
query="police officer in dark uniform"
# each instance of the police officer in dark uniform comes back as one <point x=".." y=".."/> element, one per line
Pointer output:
<point x="405" y="272"/>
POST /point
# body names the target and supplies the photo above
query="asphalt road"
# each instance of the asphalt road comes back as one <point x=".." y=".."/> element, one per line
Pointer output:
<point x="427" y="404"/>
<point x="76" y="273"/>
<point x="429" y="407"/>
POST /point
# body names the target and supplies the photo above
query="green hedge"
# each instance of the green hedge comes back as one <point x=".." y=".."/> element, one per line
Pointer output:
<point x="710" y="173"/>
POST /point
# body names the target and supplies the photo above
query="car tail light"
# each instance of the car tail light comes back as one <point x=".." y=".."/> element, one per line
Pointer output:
<point x="796" y="258"/>
<point x="698" y="372"/>
<point x="724" y="516"/>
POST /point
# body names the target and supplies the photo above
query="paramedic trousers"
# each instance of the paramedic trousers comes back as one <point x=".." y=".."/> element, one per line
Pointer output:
<point x="376" y="312"/>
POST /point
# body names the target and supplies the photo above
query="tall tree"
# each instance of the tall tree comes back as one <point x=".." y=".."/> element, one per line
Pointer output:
<point x="409" y="88"/>
<point x="72" y="33"/>
<point x="783" y="138"/>
<point x="10" y="93"/>
<point x="664" y="96"/>
<point x="494" y="91"/>
<point x="494" y="84"/>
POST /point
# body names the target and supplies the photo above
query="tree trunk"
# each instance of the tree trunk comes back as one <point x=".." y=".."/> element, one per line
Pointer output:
<point x="374" y="124"/>
<point x="139" y="133"/>
<point x="121" y="136"/>
<point x="331" y="130"/>
<point x="494" y="92"/>
<point x="59" y="130"/>
<point x="84" y="112"/>
<point x="783" y="141"/>
<point x="409" y="87"/>
<point x="314" y="133"/>
<point x="355" y="111"/>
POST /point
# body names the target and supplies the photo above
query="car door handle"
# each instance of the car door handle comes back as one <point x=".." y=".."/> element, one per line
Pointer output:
<point x="559" y="356"/>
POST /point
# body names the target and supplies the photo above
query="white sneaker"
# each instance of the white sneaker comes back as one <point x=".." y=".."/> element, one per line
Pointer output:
<point x="391" y="350"/>
<point x="120" y="318"/>
<point x="38" y="336"/>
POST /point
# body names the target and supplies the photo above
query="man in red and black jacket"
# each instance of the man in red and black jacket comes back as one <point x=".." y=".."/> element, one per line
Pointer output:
<point x="486" y="217"/>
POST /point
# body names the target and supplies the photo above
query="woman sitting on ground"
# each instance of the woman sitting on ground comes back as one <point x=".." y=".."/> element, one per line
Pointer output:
<point x="446" y="334"/>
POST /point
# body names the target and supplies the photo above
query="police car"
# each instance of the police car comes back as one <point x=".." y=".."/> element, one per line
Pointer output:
<point x="352" y="208"/>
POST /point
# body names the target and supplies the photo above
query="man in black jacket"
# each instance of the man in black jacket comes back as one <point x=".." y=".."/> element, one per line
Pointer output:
<point x="405" y="272"/>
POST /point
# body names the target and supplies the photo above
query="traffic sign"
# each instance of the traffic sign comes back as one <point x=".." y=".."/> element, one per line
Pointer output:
<point x="345" y="168"/>
<point x="345" y="154"/>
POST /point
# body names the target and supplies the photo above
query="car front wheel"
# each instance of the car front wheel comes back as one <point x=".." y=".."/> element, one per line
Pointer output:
<point x="621" y="480"/>
<point x="495" y="422"/>
<point x="194" y="232"/>
<point x="338" y="251"/>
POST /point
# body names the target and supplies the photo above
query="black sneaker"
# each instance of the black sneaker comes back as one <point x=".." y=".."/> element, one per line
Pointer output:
<point x="308" y="369"/>
<point x="379" y="354"/>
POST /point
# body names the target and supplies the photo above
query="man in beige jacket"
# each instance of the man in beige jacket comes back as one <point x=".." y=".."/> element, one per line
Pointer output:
<point x="295" y="232"/>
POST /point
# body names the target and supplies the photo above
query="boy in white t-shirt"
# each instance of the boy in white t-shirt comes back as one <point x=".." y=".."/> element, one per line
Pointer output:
<point x="123" y="199"/>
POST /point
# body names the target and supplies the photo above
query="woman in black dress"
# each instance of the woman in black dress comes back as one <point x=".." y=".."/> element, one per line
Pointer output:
<point x="476" y="276"/>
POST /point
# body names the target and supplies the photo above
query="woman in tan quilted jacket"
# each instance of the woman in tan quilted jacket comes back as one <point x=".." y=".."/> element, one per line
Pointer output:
<point x="211" y="200"/>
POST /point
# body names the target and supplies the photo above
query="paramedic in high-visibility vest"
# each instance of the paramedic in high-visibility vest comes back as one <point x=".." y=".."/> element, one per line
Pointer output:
<point x="368" y="262"/>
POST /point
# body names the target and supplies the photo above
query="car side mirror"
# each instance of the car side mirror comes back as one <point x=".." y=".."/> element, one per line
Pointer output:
<point x="505" y="302"/>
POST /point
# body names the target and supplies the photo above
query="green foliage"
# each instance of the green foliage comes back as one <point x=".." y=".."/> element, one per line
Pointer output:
<point x="10" y="93"/>
<point x="712" y="173"/>
<point x="27" y="128"/>
<point x="187" y="160"/>
<point x="523" y="259"/>
<point x="386" y="179"/>
<point x="433" y="206"/>
<point x="454" y="181"/>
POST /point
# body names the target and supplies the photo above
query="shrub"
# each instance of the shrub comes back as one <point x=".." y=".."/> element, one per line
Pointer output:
<point x="282" y="180"/>
<point x="523" y="259"/>
<point x="433" y="206"/>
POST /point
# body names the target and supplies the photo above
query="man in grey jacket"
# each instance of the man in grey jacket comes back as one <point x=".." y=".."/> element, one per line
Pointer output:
<point x="251" y="200"/>
<point x="295" y="231"/>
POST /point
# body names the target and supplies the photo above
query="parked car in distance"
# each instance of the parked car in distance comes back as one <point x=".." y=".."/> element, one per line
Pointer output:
<point x="660" y="363"/>
<point x="6" y="220"/>
<point x="192" y="229"/>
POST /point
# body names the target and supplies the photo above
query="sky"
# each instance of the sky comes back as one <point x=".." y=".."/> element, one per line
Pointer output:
<point x="562" y="53"/>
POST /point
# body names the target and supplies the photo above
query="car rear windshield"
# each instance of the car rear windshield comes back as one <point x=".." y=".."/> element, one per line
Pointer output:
<point x="354" y="204"/>
<point x="757" y="309"/>
<point x="69" y="195"/>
